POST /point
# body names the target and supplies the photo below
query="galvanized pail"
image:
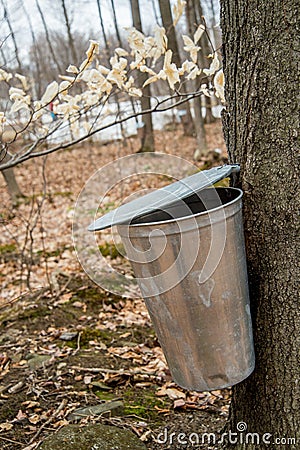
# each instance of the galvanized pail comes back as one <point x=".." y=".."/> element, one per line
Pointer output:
<point x="189" y="260"/>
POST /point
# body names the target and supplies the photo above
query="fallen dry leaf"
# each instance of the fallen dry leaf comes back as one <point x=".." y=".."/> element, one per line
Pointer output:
<point x="87" y="379"/>
<point x="6" y="426"/>
<point x="174" y="394"/>
<point x="34" y="418"/>
<point x="179" y="403"/>
<point x="60" y="423"/>
<point x="30" y="404"/>
<point x="20" y="415"/>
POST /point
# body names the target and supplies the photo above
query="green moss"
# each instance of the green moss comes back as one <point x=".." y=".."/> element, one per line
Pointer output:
<point x="89" y="294"/>
<point x="87" y="335"/>
<point x="62" y="193"/>
<point x="91" y="212"/>
<point x="109" y="206"/>
<point x="114" y="285"/>
<point x="34" y="313"/>
<point x="92" y="334"/>
<point x="92" y="436"/>
<point x="142" y="335"/>
<point x="71" y="344"/>
<point x="144" y="404"/>
<point x="110" y="249"/>
<point x="9" y="252"/>
<point x="105" y="396"/>
<point x="53" y="253"/>
<point x="7" y="248"/>
<point x="138" y="335"/>
<point x="94" y="297"/>
<point x="9" y="411"/>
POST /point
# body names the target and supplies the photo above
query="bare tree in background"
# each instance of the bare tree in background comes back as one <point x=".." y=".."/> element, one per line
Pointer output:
<point x="38" y="74"/>
<point x="41" y="67"/>
<point x="201" y="149"/>
<point x="107" y="51"/>
<point x="79" y="117"/>
<point x="11" y="182"/>
<point x="147" y="138"/>
<point x="12" y="34"/>
<point x="8" y="174"/>
<point x="69" y="33"/>
<point x="167" y="20"/>
<point x="156" y="15"/>
<point x="116" y="22"/>
<point x="48" y="38"/>
<point x="3" y="55"/>
<point x="119" y="44"/>
<point x="206" y="49"/>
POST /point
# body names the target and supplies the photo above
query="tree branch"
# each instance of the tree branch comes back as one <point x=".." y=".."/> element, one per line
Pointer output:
<point x="30" y="153"/>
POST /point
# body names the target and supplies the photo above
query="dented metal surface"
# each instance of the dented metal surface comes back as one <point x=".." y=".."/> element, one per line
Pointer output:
<point x="190" y="263"/>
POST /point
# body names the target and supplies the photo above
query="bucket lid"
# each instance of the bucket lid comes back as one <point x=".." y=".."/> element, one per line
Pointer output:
<point x="163" y="197"/>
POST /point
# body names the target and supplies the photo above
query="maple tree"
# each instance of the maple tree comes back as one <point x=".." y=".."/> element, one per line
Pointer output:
<point x="260" y="122"/>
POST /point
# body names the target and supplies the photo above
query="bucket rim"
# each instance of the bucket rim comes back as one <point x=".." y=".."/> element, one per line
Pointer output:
<point x="180" y="219"/>
<point x="154" y="200"/>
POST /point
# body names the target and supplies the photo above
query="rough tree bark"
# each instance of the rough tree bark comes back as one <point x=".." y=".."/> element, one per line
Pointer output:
<point x="261" y="127"/>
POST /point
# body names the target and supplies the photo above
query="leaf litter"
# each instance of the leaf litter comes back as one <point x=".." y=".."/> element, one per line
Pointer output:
<point x="69" y="351"/>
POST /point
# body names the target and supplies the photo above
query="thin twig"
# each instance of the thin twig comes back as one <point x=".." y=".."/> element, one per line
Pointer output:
<point x="33" y="295"/>
<point x="78" y="343"/>
<point x="112" y="371"/>
<point x="54" y="415"/>
<point x="41" y="221"/>
<point x="59" y="293"/>
<point x="17" y="159"/>
<point x="10" y="440"/>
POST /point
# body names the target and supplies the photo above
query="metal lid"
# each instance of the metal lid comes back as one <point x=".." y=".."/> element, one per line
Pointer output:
<point x="164" y="197"/>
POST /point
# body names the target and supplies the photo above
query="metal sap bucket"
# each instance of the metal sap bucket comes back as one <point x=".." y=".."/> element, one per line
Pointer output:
<point x="189" y="260"/>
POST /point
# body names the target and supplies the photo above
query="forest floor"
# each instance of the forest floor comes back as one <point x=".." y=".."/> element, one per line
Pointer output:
<point x="71" y="352"/>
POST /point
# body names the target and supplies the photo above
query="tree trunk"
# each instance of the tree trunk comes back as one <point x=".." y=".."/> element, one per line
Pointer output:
<point x="37" y="78"/>
<point x="167" y="20"/>
<point x="69" y="33"/>
<point x="48" y="38"/>
<point x="201" y="149"/>
<point x="147" y="138"/>
<point x="11" y="30"/>
<point x="11" y="182"/>
<point x="115" y="22"/>
<point x="260" y="125"/>
<point x="206" y="49"/>
<point x="103" y="31"/>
